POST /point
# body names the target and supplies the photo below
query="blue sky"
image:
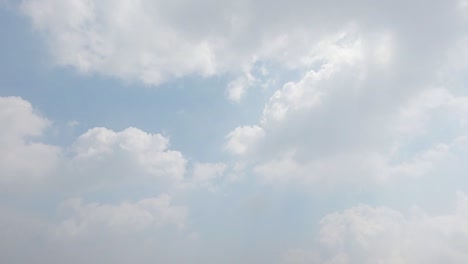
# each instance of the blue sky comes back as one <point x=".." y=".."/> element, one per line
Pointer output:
<point x="233" y="131"/>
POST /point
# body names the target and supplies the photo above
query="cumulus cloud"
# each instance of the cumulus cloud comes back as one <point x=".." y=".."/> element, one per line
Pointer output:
<point x="22" y="158"/>
<point x="142" y="40"/>
<point x="340" y="122"/>
<point x="117" y="177"/>
<point x="156" y="41"/>
<point x="98" y="159"/>
<point x="132" y="150"/>
<point x="365" y="106"/>
<point x="366" y="234"/>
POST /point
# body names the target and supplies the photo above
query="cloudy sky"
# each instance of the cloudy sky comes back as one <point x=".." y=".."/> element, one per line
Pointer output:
<point x="151" y="131"/>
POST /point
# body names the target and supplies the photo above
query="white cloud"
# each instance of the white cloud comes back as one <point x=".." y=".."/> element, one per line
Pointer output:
<point x="127" y="154"/>
<point x="326" y="128"/>
<point x="419" y="113"/>
<point x="120" y="168"/>
<point x="295" y="111"/>
<point x="128" y="39"/>
<point x="366" y="234"/>
<point x="126" y="218"/>
<point x="243" y="138"/>
<point x="126" y="182"/>
<point x="156" y="41"/>
<point x="22" y="159"/>
<point x="237" y="87"/>
<point x="359" y="167"/>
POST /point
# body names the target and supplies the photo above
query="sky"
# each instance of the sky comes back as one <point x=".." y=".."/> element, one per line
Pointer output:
<point x="137" y="131"/>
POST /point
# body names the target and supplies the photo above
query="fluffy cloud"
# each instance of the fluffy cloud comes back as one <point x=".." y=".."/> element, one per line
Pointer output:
<point x="143" y="40"/>
<point x="366" y="234"/>
<point x="22" y="159"/>
<point x="127" y="170"/>
<point x="340" y="122"/>
<point x="131" y="151"/>
<point x="155" y="41"/>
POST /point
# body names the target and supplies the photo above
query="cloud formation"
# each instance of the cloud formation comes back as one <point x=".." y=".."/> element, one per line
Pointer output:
<point x="357" y="96"/>
<point x="127" y="154"/>
<point x="367" y="234"/>
<point x="23" y="160"/>
<point x="99" y="171"/>
<point x="365" y="95"/>
<point x="156" y="41"/>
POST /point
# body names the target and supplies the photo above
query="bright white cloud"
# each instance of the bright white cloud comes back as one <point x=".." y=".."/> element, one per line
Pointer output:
<point x="127" y="154"/>
<point x="326" y="127"/>
<point x="366" y="234"/>
<point x="22" y="159"/>
<point x="156" y="41"/>
<point x="100" y="162"/>
<point x="141" y="40"/>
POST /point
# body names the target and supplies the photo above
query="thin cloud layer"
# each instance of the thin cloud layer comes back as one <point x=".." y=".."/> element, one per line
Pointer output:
<point x="366" y="234"/>
<point x="91" y="219"/>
